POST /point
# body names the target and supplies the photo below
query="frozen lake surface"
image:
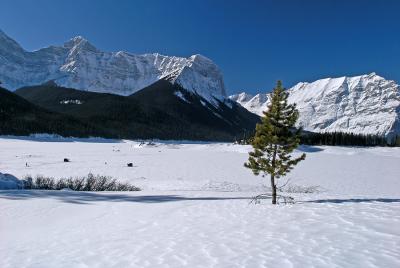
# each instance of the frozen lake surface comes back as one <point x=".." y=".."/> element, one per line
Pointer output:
<point x="194" y="209"/>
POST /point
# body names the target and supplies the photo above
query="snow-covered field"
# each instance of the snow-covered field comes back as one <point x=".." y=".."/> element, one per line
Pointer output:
<point x="194" y="209"/>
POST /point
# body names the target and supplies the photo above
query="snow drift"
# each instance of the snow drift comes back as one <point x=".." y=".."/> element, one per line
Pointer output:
<point x="8" y="182"/>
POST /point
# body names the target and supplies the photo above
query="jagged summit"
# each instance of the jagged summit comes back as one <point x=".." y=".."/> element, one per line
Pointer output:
<point x="79" y="43"/>
<point x="76" y="41"/>
<point x="78" y="64"/>
<point x="365" y="104"/>
<point x="241" y="97"/>
<point x="339" y="81"/>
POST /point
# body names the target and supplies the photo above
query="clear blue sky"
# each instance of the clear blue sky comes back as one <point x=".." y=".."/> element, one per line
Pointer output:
<point x="255" y="43"/>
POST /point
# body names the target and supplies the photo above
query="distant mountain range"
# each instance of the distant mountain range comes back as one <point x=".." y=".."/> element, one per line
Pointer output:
<point x="119" y="94"/>
<point x="366" y="104"/>
<point x="78" y="64"/>
<point x="125" y="95"/>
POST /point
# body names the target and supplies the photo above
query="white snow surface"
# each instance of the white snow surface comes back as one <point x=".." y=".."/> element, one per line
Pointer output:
<point x="78" y="64"/>
<point x="366" y="104"/>
<point x="194" y="209"/>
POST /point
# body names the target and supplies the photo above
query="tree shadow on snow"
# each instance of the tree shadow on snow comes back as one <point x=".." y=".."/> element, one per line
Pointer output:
<point x="309" y="149"/>
<point x="92" y="197"/>
<point x="356" y="200"/>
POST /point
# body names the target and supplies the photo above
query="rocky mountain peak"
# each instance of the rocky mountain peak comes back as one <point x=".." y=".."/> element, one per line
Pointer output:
<point x="364" y="104"/>
<point x="80" y="65"/>
<point x="80" y="43"/>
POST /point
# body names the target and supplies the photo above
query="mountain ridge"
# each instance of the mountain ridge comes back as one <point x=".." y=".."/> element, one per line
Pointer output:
<point x="80" y="65"/>
<point x="162" y="110"/>
<point x="364" y="104"/>
<point x="21" y="117"/>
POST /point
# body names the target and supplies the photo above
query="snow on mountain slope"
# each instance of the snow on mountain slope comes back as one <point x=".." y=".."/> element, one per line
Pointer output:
<point x="255" y="104"/>
<point x="241" y="97"/>
<point x="78" y="64"/>
<point x="366" y="104"/>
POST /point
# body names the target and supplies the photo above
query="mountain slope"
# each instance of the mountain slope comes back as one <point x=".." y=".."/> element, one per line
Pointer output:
<point x="366" y="104"/>
<point x="253" y="103"/>
<point x="78" y="64"/>
<point x="20" y="117"/>
<point x="153" y="96"/>
<point x="180" y="103"/>
<point x="163" y="110"/>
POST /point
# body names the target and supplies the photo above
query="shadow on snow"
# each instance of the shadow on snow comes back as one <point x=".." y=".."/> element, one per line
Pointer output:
<point x="309" y="149"/>
<point x="91" y="197"/>
<point x="355" y="200"/>
<point x="75" y="197"/>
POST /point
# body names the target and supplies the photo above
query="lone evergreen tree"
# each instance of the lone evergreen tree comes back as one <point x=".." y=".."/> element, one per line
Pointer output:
<point x="275" y="139"/>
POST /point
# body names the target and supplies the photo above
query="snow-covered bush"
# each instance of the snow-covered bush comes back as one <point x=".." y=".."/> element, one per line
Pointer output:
<point x="8" y="181"/>
<point x="299" y="189"/>
<point x="88" y="183"/>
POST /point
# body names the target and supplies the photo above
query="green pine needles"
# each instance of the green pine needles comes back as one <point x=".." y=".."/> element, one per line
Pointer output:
<point x="275" y="139"/>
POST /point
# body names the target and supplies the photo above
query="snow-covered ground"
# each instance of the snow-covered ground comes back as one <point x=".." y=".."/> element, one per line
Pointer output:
<point x="194" y="209"/>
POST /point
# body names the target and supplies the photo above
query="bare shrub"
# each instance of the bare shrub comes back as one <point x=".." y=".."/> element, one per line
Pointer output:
<point x="90" y="183"/>
<point x="45" y="183"/>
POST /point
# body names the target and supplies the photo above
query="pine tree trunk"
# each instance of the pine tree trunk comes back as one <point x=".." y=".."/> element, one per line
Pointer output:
<point x="273" y="187"/>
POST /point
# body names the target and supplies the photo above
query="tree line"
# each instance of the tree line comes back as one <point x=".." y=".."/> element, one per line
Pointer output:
<point x="336" y="139"/>
<point x="348" y="139"/>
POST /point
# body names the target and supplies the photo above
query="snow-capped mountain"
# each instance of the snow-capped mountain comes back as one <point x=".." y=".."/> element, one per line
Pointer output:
<point x="366" y="104"/>
<point x="78" y="64"/>
<point x="254" y="103"/>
